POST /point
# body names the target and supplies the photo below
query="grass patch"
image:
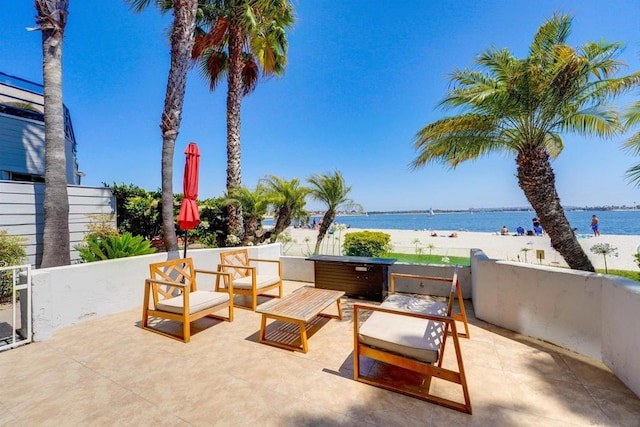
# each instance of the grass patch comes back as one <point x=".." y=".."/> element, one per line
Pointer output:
<point x="633" y="275"/>
<point x="430" y="259"/>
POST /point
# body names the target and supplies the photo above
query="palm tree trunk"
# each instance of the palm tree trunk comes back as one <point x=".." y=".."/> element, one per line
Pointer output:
<point x="56" y="247"/>
<point x="327" y="220"/>
<point x="250" y="228"/>
<point x="184" y="22"/>
<point x="537" y="180"/>
<point x="234" y="100"/>
<point x="283" y="221"/>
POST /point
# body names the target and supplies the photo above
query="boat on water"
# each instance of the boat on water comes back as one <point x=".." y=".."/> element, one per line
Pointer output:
<point x="430" y="212"/>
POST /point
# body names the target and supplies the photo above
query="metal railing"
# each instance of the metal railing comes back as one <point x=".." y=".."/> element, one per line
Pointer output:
<point x="15" y="316"/>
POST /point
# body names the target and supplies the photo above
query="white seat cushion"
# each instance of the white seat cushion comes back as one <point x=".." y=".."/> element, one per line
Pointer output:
<point x="198" y="301"/>
<point x="262" y="281"/>
<point x="407" y="336"/>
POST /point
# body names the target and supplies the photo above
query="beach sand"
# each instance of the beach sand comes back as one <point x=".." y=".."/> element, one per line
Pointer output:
<point x="495" y="246"/>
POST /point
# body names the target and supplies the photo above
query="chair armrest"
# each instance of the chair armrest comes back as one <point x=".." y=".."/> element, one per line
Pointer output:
<point x="273" y="261"/>
<point x="264" y="260"/>
<point x="394" y="276"/>
<point x="236" y="266"/>
<point x="168" y="283"/>
<point x="220" y="273"/>
<point x="418" y="277"/>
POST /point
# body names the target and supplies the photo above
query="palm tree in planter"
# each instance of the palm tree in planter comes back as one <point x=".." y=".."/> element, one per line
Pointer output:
<point x="254" y="205"/>
<point x="52" y="20"/>
<point x="241" y="38"/>
<point x="521" y="106"/>
<point x="288" y="199"/>
<point x="182" y="38"/>
<point x="331" y="190"/>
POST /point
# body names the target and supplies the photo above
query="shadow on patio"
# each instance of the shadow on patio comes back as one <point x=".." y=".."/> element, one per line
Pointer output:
<point x="110" y="372"/>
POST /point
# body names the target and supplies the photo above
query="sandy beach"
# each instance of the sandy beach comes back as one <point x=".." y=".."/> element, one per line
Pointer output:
<point x="494" y="245"/>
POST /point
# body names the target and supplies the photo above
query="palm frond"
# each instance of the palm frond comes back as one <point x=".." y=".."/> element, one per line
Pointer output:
<point x="213" y="67"/>
<point x="554" y="31"/>
<point x="250" y="74"/>
<point x="632" y="115"/>
<point x="455" y="139"/>
<point x="601" y="121"/>
<point x="210" y="40"/>
<point x="633" y="175"/>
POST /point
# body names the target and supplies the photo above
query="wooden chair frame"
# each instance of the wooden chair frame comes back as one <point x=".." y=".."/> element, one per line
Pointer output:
<point x="430" y="370"/>
<point x="455" y="293"/>
<point x="243" y="269"/>
<point x="180" y="275"/>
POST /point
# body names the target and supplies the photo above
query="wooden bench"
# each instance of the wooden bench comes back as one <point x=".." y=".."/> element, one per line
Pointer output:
<point x="298" y="308"/>
<point x="411" y="333"/>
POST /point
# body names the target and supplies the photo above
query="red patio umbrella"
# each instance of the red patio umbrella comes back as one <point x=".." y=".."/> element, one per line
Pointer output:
<point x="189" y="217"/>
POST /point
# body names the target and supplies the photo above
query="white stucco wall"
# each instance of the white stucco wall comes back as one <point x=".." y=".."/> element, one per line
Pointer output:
<point x="621" y="330"/>
<point x="558" y="305"/>
<point x="63" y="296"/>
<point x="589" y="313"/>
<point x="297" y="268"/>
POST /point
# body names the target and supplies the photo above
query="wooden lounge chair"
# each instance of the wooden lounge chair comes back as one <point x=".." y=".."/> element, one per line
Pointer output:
<point x="245" y="278"/>
<point x="173" y="287"/>
<point x="411" y="333"/>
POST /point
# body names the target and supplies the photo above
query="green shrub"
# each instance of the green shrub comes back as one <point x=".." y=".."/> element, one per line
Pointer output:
<point x="113" y="246"/>
<point x="138" y="210"/>
<point x="11" y="253"/>
<point x="367" y="243"/>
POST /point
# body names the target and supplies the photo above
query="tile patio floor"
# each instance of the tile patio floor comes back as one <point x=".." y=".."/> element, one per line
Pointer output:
<point x="110" y="372"/>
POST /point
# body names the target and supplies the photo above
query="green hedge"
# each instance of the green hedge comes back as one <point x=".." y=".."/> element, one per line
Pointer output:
<point x="367" y="243"/>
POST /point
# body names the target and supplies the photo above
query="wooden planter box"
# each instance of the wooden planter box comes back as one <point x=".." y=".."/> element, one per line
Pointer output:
<point x="358" y="277"/>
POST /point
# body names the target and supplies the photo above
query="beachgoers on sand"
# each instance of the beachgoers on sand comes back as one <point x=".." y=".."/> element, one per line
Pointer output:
<point x="492" y="244"/>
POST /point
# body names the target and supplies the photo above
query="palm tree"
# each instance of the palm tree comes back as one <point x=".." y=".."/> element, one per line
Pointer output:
<point x="240" y="38"/>
<point x="331" y="190"/>
<point x="254" y="205"/>
<point x="520" y="107"/>
<point x="288" y="199"/>
<point x="182" y="37"/>
<point x="52" y="20"/>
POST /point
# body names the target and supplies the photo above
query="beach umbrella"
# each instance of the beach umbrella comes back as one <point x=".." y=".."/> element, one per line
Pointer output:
<point x="189" y="217"/>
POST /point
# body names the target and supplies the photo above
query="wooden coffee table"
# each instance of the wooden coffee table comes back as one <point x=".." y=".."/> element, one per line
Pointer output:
<point x="298" y="308"/>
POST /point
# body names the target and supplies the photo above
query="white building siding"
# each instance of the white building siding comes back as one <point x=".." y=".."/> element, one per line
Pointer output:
<point x="22" y="213"/>
<point x="22" y="148"/>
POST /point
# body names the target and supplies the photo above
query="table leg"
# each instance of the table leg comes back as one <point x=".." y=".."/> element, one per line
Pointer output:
<point x="303" y="337"/>
<point x="339" y="309"/>
<point x="263" y="328"/>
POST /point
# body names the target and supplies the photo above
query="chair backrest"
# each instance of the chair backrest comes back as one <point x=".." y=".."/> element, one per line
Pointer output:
<point x="455" y="291"/>
<point x="176" y="270"/>
<point x="239" y="257"/>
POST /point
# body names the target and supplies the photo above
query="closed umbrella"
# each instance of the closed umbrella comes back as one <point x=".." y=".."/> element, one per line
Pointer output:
<point x="189" y="217"/>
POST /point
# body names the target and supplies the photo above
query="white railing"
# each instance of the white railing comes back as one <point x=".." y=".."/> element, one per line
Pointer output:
<point x="20" y="277"/>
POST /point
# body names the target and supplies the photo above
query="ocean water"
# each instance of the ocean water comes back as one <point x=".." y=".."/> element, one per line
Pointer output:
<point x="611" y="222"/>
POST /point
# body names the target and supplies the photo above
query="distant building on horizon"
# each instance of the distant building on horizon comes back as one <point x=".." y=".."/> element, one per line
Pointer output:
<point x="22" y="133"/>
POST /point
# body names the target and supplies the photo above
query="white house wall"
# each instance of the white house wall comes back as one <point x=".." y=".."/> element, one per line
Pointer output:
<point x="22" y="213"/>
<point x="23" y="148"/>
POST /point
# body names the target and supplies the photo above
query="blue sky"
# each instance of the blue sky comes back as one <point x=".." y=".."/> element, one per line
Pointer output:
<point x="362" y="78"/>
